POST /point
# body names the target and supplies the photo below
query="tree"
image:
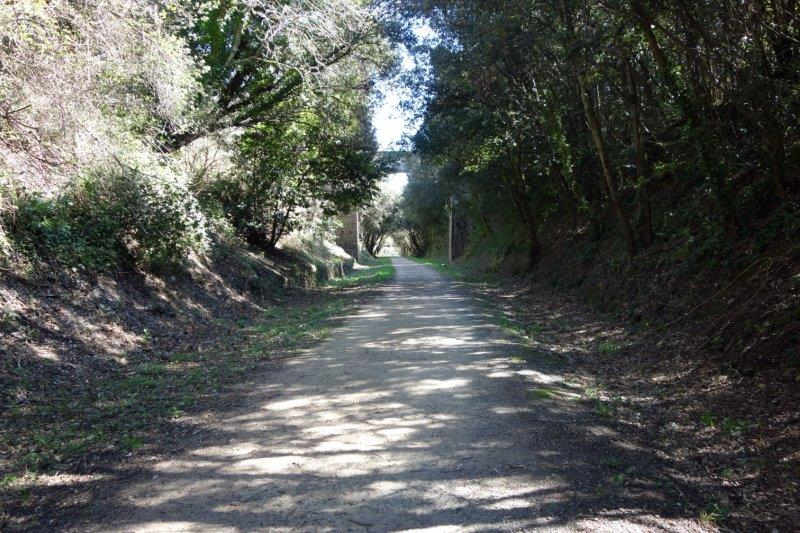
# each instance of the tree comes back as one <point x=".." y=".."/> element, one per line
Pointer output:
<point x="326" y="157"/>
<point x="378" y="221"/>
<point x="422" y="217"/>
<point x="260" y="53"/>
<point x="580" y="110"/>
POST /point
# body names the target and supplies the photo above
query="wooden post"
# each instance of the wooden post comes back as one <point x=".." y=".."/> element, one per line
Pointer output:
<point x="450" y="233"/>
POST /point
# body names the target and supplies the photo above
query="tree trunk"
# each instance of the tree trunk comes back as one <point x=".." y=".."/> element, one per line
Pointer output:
<point x="642" y="175"/>
<point x="597" y="136"/>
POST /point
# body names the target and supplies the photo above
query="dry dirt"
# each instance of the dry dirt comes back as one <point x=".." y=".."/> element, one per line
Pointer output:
<point x="419" y="414"/>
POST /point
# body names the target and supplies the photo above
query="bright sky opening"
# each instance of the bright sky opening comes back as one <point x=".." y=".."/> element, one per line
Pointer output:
<point x="393" y="123"/>
<point x="394" y="184"/>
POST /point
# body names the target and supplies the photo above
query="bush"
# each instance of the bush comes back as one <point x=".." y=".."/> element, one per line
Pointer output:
<point x="5" y="209"/>
<point x="106" y="221"/>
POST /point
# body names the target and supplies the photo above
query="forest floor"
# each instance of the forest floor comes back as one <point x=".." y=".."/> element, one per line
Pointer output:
<point x="420" y="412"/>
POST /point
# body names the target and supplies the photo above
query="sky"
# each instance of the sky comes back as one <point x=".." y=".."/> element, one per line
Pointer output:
<point x="392" y="123"/>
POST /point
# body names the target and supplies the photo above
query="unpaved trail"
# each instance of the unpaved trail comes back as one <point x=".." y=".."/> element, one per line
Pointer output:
<point x="413" y="416"/>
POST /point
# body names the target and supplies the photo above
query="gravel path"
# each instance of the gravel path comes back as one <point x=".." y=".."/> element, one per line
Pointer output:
<point x="414" y="416"/>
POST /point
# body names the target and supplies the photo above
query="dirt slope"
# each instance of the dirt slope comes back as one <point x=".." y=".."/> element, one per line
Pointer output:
<point x="417" y="414"/>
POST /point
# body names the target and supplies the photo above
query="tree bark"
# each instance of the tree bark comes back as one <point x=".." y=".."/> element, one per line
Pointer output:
<point x="597" y="136"/>
<point x="642" y="175"/>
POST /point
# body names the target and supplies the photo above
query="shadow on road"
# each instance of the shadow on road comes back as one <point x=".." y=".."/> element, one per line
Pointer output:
<point x="418" y="413"/>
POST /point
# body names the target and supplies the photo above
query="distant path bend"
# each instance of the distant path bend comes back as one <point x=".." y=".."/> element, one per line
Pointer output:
<point x="412" y="416"/>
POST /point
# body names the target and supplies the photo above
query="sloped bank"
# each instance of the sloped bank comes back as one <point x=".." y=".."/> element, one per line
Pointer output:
<point x="95" y="368"/>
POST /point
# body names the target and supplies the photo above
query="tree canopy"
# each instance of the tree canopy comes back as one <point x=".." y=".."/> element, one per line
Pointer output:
<point x="255" y="111"/>
<point x="608" y="114"/>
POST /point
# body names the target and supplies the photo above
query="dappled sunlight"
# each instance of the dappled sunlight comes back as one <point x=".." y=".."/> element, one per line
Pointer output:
<point x="399" y="422"/>
<point x="540" y="377"/>
<point x="164" y="526"/>
<point x="45" y="352"/>
<point x="433" y="342"/>
<point x="429" y="385"/>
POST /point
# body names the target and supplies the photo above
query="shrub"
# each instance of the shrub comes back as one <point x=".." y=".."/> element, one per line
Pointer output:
<point x="5" y="209"/>
<point x="156" y="223"/>
<point x="110" y="220"/>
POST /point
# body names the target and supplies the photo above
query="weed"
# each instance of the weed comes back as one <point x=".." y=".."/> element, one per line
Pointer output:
<point x="714" y="513"/>
<point x="9" y="479"/>
<point x="608" y="347"/>
<point x="604" y="408"/>
<point x="540" y="394"/>
<point x="591" y="393"/>
<point x="708" y="420"/>
<point x="535" y="330"/>
<point x="130" y="442"/>
<point x="732" y="426"/>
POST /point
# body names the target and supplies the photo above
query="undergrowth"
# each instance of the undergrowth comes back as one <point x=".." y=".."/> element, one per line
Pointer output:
<point x="106" y="221"/>
<point x="117" y="411"/>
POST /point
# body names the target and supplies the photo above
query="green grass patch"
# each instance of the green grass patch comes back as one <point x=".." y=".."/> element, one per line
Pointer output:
<point x="534" y="330"/>
<point x="604" y="409"/>
<point x="714" y="513"/>
<point x="454" y="270"/>
<point x="8" y="480"/>
<point x="733" y="426"/>
<point x="540" y="394"/>
<point x="708" y="420"/>
<point x="617" y="479"/>
<point x="591" y="393"/>
<point x="608" y="347"/>
<point x="380" y="270"/>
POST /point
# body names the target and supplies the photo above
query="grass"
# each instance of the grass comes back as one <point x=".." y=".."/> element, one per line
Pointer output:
<point x="708" y="420"/>
<point x="540" y="394"/>
<point x="455" y="271"/>
<point x="379" y="270"/>
<point x="604" y="409"/>
<point x="127" y="408"/>
<point x="731" y="426"/>
<point x="608" y="347"/>
<point x="714" y="513"/>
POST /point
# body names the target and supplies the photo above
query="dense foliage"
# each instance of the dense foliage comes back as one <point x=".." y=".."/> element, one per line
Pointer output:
<point x="646" y="120"/>
<point x="126" y="125"/>
<point x="109" y="220"/>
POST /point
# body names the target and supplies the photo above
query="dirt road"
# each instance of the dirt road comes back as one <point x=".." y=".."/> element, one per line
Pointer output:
<point x="416" y="415"/>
